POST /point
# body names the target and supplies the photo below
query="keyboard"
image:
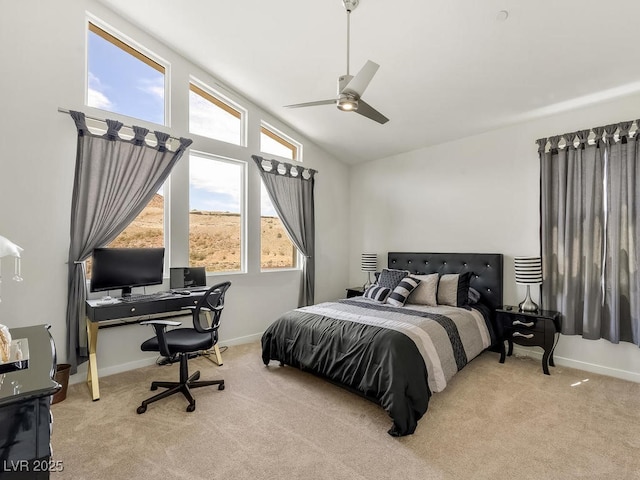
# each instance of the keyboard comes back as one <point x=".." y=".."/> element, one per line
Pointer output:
<point x="143" y="297"/>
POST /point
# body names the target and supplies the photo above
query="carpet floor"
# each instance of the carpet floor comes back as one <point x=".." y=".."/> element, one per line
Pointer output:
<point x="492" y="421"/>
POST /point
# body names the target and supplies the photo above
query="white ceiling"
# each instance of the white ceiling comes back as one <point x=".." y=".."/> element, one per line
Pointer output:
<point x="448" y="68"/>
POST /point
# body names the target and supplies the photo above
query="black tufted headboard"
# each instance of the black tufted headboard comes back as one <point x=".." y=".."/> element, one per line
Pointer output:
<point x="486" y="268"/>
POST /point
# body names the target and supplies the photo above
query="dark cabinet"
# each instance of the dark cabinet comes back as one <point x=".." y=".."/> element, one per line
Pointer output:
<point x="25" y="417"/>
<point x="529" y="329"/>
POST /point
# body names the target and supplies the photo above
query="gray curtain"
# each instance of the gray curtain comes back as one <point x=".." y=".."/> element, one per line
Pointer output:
<point x="588" y="229"/>
<point x="114" y="181"/>
<point x="290" y="189"/>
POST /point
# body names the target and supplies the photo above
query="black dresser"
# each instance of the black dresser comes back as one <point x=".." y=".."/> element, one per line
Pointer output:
<point x="25" y="418"/>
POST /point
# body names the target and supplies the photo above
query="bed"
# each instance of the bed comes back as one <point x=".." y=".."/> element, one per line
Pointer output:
<point x="396" y="356"/>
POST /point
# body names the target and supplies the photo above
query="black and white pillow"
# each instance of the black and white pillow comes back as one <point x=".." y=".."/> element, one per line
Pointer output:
<point x="453" y="289"/>
<point x="390" y="278"/>
<point x="402" y="291"/>
<point x="474" y="296"/>
<point x="377" y="293"/>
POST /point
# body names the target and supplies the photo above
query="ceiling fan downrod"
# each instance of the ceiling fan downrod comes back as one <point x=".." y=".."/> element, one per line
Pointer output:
<point x="349" y="5"/>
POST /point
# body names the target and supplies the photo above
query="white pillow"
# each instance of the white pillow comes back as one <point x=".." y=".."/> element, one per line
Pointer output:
<point x="426" y="291"/>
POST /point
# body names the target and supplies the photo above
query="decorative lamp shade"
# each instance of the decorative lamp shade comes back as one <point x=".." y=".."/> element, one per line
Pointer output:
<point x="369" y="262"/>
<point x="528" y="270"/>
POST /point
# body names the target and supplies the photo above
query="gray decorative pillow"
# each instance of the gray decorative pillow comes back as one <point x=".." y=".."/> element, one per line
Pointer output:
<point x="400" y="294"/>
<point x="453" y="289"/>
<point x="390" y="278"/>
<point x="377" y="293"/>
<point x="425" y="292"/>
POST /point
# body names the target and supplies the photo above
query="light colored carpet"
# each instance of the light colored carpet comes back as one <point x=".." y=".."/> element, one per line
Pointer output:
<point x="492" y="421"/>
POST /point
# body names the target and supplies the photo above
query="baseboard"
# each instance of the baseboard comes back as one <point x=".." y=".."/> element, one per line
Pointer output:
<point x="579" y="365"/>
<point x="81" y="376"/>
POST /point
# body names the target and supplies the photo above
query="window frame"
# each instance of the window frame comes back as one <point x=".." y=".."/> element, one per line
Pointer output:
<point x="137" y="50"/>
<point x="283" y="139"/>
<point x="221" y="101"/>
<point x="243" y="209"/>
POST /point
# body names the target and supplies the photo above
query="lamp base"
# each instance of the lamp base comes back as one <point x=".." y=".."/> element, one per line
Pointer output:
<point x="528" y="305"/>
<point x="368" y="283"/>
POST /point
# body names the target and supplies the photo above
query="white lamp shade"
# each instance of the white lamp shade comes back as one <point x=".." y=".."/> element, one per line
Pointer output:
<point x="369" y="262"/>
<point x="7" y="247"/>
<point x="528" y="270"/>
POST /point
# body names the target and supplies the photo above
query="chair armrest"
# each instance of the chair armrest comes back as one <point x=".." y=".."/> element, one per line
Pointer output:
<point x="169" y="323"/>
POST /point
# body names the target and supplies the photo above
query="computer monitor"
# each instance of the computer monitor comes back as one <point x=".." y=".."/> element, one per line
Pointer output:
<point x="187" y="277"/>
<point x="125" y="268"/>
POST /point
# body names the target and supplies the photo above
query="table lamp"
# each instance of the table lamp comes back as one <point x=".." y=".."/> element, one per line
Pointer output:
<point x="528" y="272"/>
<point x="369" y="264"/>
<point x="8" y="248"/>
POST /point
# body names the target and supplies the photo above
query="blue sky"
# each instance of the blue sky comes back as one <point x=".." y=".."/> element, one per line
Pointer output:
<point x="119" y="82"/>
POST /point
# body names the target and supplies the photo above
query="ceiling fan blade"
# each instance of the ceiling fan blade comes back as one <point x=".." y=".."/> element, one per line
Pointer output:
<point x="359" y="83"/>
<point x="313" y="104"/>
<point x="368" y="111"/>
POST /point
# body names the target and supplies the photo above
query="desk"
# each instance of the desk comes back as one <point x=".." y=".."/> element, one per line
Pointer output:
<point x="124" y="313"/>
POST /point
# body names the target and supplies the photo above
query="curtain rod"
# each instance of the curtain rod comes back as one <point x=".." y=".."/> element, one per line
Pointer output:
<point x="64" y="110"/>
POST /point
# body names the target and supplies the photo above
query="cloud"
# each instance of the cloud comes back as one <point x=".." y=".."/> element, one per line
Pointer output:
<point x="152" y="86"/>
<point x="96" y="96"/>
<point x="219" y="184"/>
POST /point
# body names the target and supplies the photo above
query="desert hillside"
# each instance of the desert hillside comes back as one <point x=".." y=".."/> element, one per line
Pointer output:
<point x="214" y="238"/>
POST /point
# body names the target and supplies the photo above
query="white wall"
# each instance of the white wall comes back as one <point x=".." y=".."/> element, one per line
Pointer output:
<point x="42" y="51"/>
<point x="478" y="194"/>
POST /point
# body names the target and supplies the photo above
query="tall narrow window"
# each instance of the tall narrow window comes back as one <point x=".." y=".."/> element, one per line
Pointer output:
<point x="213" y="117"/>
<point x="276" y="143"/>
<point x="122" y="79"/>
<point x="216" y="213"/>
<point x="276" y="249"/>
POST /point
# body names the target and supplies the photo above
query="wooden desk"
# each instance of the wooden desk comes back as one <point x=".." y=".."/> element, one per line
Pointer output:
<point x="125" y="313"/>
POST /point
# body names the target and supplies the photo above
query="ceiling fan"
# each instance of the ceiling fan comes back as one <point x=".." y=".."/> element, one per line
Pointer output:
<point x="350" y="88"/>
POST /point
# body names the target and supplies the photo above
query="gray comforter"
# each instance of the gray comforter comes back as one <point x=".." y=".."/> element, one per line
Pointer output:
<point x="395" y="356"/>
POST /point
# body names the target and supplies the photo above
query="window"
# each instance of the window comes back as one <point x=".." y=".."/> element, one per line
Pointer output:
<point x="123" y="80"/>
<point x="145" y="231"/>
<point x="212" y="117"/>
<point x="276" y="143"/>
<point x="276" y="249"/>
<point x="216" y="213"/>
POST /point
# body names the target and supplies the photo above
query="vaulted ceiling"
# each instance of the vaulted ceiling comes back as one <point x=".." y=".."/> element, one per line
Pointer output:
<point x="448" y="68"/>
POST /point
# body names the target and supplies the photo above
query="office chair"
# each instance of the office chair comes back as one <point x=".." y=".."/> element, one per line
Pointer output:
<point x="183" y="341"/>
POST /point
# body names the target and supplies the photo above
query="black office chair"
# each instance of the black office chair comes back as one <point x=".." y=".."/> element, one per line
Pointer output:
<point x="183" y="341"/>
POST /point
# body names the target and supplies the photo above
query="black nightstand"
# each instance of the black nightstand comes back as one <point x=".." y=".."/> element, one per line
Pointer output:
<point x="530" y="329"/>
<point x="355" y="292"/>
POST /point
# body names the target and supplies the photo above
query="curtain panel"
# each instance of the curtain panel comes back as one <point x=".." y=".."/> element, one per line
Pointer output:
<point x="115" y="179"/>
<point x="290" y="188"/>
<point x="589" y="202"/>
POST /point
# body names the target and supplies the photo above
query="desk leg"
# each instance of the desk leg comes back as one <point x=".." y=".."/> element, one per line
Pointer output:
<point x="92" y="370"/>
<point x="216" y="352"/>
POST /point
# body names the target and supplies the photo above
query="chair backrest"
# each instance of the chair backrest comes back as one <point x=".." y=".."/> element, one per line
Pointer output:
<point x="206" y="316"/>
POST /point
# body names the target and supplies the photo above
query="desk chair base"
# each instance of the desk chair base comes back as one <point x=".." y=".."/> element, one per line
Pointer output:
<point x="184" y="386"/>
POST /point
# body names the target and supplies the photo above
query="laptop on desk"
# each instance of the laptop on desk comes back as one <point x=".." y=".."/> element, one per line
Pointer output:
<point x="193" y="279"/>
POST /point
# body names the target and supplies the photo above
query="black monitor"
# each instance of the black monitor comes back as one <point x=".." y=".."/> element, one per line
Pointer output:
<point x="124" y="268"/>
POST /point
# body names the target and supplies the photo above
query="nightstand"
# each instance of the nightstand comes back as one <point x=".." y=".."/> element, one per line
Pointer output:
<point x="530" y="329"/>
<point x="355" y="292"/>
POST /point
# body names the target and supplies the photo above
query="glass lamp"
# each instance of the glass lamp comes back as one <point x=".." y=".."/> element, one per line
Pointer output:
<point x="369" y="264"/>
<point x="528" y="272"/>
<point x="8" y="248"/>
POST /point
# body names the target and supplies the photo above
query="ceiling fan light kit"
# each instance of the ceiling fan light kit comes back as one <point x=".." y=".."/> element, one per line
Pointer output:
<point x="350" y="88"/>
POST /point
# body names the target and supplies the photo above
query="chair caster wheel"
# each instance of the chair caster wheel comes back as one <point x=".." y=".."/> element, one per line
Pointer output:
<point x="141" y="409"/>
<point x="221" y="386"/>
<point x="191" y="407"/>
